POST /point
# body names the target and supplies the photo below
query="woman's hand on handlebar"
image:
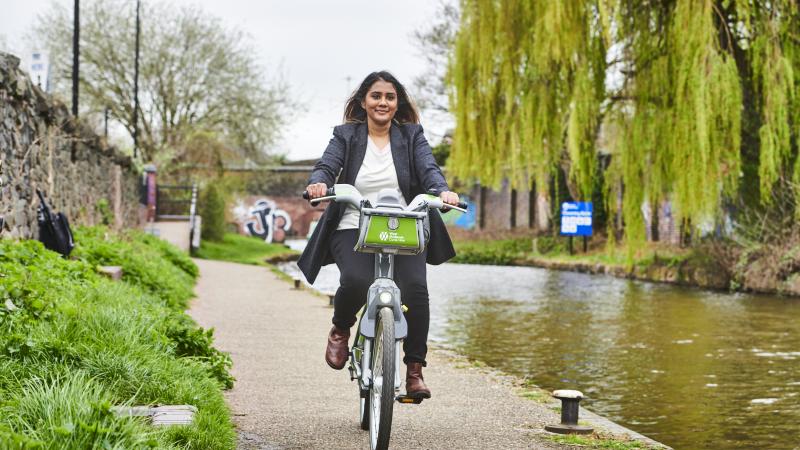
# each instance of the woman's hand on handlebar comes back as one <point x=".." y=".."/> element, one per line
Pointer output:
<point x="316" y="190"/>
<point x="450" y="198"/>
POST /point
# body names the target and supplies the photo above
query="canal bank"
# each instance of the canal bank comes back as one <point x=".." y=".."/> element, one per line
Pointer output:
<point x="666" y="271"/>
<point x="286" y="397"/>
<point x="715" y="265"/>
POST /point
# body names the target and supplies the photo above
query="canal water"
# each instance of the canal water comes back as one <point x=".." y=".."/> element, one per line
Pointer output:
<point x="690" y="368"/>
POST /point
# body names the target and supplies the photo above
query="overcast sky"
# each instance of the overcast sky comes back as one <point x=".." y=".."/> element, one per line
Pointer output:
<point x="316" y="44"/>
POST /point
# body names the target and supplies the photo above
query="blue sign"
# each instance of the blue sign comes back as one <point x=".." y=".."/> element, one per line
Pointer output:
<point x="576" y="218"/>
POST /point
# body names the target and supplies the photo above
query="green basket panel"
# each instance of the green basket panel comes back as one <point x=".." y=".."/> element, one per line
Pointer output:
<point x="379" y="233"/>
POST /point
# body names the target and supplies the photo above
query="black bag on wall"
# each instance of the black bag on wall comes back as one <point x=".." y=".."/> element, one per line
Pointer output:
<point x="54" y="230"/>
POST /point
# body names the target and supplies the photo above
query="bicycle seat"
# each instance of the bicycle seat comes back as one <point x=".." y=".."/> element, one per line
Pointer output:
<point x="389" y="198"/>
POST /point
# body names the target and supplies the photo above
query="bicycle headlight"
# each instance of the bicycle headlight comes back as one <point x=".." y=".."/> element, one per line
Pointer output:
<point x="385" y="297"/>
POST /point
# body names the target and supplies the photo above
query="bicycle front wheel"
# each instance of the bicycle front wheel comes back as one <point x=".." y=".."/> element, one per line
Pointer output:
<point x="381" y="393"/>
<point x="363" y="403"/>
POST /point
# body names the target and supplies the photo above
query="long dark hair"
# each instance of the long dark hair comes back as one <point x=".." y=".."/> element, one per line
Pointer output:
<point x="355" y="113"/>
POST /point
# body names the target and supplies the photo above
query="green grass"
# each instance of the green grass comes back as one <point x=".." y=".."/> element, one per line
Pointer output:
<point x="146" y="261"/>
<point x="242" y="249"/>
<point x="592" y="442"/>
<point x="516" y="250"/>
<point x="536" y="395"/>
<point x="74" y="343"/>
<point x="497" y="252"/>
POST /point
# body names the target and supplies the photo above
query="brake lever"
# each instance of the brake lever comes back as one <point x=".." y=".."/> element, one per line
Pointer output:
<point x="449" y="207"/>
<point x="330" y="194"/>
<point x="318" y="200"/>
<point x="461" y="207"/>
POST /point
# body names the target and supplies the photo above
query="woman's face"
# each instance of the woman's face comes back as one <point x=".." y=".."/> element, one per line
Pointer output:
<point x="380" y="102"/>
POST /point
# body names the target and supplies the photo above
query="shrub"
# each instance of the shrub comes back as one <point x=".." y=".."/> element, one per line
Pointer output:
<point x="212" y="209"/>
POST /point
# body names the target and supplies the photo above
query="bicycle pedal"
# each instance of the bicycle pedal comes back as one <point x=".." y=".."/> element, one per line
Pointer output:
<point x="409" y="400"/>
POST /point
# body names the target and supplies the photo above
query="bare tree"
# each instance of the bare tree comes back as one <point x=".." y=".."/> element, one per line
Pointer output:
<point x="195" y="76"/>
<point x="435" y="41"/>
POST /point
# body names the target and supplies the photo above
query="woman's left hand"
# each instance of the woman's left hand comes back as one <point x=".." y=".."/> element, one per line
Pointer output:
<point x="451" y="198"/>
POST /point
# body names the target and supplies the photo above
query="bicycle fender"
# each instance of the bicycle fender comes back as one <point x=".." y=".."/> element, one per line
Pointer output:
<point x="367" y="327"/>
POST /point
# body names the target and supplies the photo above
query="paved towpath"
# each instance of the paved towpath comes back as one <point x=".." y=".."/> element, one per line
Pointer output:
<point x="286" y="397"/>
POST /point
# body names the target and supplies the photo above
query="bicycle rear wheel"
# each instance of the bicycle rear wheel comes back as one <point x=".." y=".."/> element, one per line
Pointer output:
<point x="381" y="393"/>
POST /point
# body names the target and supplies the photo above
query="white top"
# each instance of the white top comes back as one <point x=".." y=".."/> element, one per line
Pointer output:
<point x="377" y="172"/>
<point x="568" y="393"/>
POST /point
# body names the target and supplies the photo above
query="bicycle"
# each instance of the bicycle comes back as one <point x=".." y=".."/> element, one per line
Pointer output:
<point x="387" y="230"/>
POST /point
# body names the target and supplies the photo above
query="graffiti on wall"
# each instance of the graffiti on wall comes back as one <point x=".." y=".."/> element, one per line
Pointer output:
<point x="263" y="220"/>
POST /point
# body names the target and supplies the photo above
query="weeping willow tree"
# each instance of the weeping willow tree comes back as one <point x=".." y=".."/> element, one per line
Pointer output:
<point x="698" y="94"/>
<point x="527" y="81"/>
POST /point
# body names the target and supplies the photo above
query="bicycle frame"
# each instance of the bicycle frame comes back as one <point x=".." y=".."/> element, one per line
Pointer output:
<point x="384" y="283"/>
<point x="383" y="293"/>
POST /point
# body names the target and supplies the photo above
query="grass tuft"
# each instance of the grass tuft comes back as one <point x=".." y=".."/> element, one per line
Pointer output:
<point x="596" y="442"/>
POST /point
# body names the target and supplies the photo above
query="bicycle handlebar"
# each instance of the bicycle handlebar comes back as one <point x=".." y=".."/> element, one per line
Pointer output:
<point x="330" y="194"/>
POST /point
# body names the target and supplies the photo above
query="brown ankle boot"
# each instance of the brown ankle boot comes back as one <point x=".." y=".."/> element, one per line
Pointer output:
<point x="415" y="383"/>
<point x="336" y="353"/>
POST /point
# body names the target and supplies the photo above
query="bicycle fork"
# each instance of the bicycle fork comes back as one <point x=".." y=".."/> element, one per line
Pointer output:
<point x="362" y="371"/>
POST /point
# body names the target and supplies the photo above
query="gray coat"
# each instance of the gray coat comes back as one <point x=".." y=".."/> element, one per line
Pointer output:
<point x="417" y="173"/>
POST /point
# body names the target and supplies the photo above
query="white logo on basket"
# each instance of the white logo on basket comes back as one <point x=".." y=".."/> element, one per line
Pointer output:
<point x="383" y="235"/>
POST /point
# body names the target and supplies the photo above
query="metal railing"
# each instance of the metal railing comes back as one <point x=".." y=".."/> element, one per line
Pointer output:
<point x="173" y="202"/>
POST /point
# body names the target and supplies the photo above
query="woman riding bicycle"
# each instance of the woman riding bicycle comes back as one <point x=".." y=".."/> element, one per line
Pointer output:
<point x="381" y="145"/>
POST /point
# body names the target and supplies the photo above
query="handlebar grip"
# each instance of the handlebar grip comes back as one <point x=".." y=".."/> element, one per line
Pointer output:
<point x="462" y="205"/>
<point x="329" y="193"/>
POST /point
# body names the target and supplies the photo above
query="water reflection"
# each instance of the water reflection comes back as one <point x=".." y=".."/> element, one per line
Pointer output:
<point x="690" y="368"/>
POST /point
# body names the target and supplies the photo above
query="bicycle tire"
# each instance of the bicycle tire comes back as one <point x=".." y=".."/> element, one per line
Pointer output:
<point x="363" y="407"/>
<point x="364" y="413"/>
<point x="363" y="401"/>
<point x="381" y="401"/>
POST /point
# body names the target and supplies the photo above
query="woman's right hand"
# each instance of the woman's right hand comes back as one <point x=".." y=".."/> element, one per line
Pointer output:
<point x="316" y="190"/>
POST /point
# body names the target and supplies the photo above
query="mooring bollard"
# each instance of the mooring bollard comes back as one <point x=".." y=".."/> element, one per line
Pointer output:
<point x="569" y="413"/>
<point x="297" y="283"/>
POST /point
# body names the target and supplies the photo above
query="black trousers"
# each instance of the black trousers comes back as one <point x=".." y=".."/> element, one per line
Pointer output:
<point x="358" y="273"/>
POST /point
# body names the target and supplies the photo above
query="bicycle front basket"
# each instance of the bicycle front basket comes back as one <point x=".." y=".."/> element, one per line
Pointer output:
<point x="386" y="231"/>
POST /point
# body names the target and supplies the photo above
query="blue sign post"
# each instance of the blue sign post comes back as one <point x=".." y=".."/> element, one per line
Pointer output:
<point x="576" y="220"/>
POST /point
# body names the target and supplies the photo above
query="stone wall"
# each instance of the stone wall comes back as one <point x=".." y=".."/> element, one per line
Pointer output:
<point x="43" y="147"/>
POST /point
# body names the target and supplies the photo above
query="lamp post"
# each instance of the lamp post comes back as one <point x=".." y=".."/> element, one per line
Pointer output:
<point x="75" y="57"/>
<point x="136" y="87"/>
<point x="76" y="31"/>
